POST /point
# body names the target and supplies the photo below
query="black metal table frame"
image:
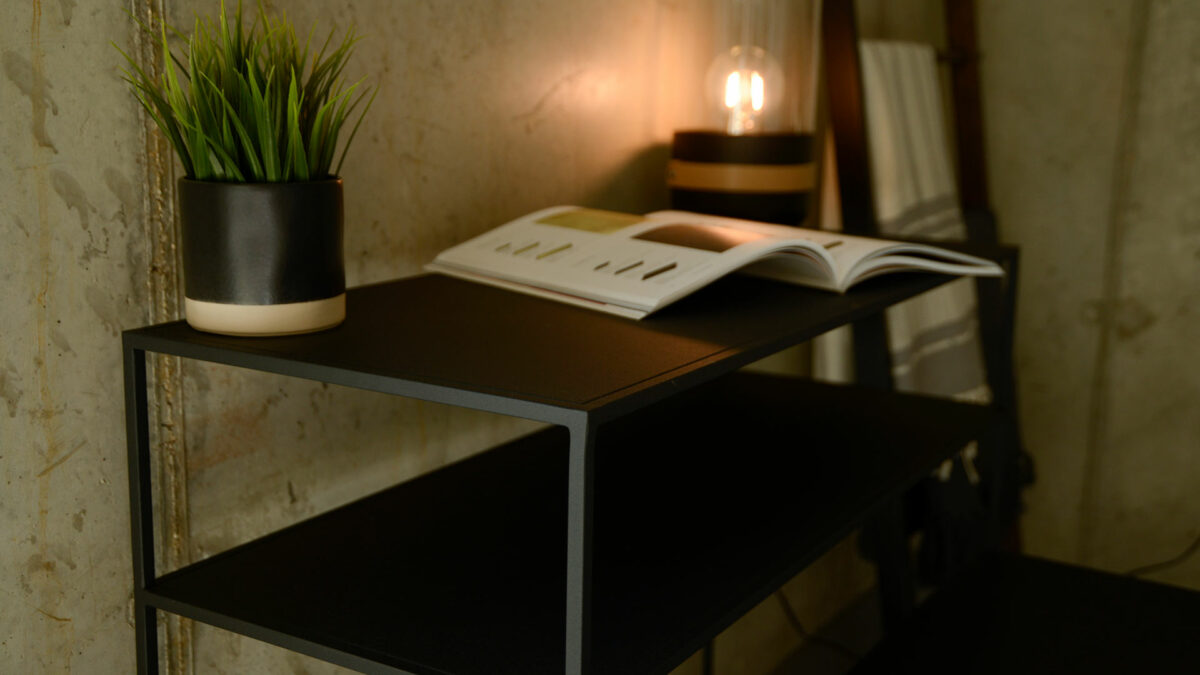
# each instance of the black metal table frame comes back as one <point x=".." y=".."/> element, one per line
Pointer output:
<point x="581" y="426"/>
<point x="581" y="421"/>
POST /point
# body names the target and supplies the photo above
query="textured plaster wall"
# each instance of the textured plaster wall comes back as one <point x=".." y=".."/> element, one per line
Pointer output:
<point x="1094" y="148"/>
<point x="487" y="110"/>
<point x="490" y="110"/>
<point x="1053" y="76"/>
<point x="1145" y="468"/>
<point x="73" y="272"/>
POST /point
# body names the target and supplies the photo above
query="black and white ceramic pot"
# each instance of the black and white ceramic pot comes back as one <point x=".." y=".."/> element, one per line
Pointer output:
<point x="262" y="258"/>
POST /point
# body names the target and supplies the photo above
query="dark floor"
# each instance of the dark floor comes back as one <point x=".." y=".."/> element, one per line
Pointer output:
<point x="833" y="649"/>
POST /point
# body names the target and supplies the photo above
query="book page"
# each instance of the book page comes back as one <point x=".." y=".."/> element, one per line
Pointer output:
<point x="839" y="252"/>
<point x="853" y="258"/>
<point x="633" y="265"/>
<point x="901" y="256"/>
<point x="632" y="261"/>
<point x="577" y="252"/>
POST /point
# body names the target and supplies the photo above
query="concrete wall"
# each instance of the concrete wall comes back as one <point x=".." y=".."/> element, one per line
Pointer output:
<point x="74" y="270"/>
<point x="487" y="111"/>
<point x="1092" y="141"/>
<point x="1093" y="138"/>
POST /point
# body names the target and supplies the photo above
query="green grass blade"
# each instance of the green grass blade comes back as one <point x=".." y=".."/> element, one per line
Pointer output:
<point x="319" y="138"/>
<point x="247" y="145"/>
<point x="354" y="131"/>
<point x="147" y="94"/>
<point x="250" y="101"/>
<point x="219" y="163"/>
<point x="295" y="140"/>
<point x="263" y="129"/>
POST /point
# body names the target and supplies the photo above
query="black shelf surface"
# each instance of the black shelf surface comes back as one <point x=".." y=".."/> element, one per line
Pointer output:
<point x="705" y="503"/>
<point x="1018" y="614"/>
<point x="452" y="341"/>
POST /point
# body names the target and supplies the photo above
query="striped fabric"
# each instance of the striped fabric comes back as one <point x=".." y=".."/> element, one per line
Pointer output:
<point x="934" y="338"/>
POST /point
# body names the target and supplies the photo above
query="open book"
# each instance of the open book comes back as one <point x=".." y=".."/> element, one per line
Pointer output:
<point x="635" y="265"/>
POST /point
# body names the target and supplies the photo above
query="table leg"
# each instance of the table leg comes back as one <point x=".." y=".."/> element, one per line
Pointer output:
<point x="897" y="589"/>
<point x="137" y="433"/>
<point x="579" y="546"/>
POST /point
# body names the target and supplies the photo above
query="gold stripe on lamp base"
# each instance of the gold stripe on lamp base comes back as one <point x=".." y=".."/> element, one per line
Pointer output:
<point x="755" y="178"/>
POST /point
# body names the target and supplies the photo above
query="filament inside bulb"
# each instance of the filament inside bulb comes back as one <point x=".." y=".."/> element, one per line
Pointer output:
<point x="756" y="91"/>
<point x="733" y="89"/>
<point x="735" y="93"/>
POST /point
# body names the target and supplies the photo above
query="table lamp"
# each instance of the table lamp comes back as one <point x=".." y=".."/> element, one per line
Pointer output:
<point x="754" y="159"/>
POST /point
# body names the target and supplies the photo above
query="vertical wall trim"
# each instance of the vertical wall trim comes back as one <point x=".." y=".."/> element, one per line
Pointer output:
<point x="1114" y="240"/>
<point x="163" y="294"/>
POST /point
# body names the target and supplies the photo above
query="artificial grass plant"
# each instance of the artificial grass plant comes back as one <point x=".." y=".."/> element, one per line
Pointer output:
<point x="249" y="104"/>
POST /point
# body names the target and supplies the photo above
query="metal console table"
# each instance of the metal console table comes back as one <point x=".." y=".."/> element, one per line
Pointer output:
<point x="659" y="507"/>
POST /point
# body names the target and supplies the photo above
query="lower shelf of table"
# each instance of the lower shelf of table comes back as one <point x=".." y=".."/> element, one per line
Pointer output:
<point x="703" y="506"/>
<point x="1017" y="614"/>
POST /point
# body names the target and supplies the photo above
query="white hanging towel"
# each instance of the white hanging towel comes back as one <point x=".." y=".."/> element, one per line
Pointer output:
<point x="933" y="338"/>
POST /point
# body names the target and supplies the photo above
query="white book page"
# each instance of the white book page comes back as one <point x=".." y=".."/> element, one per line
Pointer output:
<point x="644" y="263"/>
<point x="606" y="267"/>
<point x="632" y="261"/>
<point x="842" y="252"/>
<point x="853" y="258"/>
<point x="909" y="256"/>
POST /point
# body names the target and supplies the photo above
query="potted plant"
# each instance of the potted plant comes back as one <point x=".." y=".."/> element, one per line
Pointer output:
<point x="255" y="115"/>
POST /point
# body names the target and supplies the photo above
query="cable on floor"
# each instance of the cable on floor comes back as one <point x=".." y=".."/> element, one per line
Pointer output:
<point x="1166" y="564"/>
<point x="794" y="620"/>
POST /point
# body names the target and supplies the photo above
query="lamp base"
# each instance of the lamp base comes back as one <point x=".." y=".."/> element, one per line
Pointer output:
<point x="765" y="177"/>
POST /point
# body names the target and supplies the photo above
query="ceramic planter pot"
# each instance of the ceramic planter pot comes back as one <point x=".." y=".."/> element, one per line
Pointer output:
<point x="262" y="258"/>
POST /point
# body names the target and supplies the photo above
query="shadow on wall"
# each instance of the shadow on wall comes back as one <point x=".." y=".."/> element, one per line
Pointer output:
<point x="637" y="187"/>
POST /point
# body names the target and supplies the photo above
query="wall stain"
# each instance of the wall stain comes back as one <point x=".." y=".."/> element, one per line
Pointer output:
<point x="9" y="390"/>
<point x="198" y="378"/>
<point x="21" y="226"/>
<point x="72" y="194"/>
<point x="77" y="520"/>
<point x="48" y="587"/>
<point x="60" y="340"/>
<point x="68" y="9"/>
<point x="32" y="83"/>
<point x="91" y="250"/>
<point x="103" y="307"/>
<point x="45" y="414"/>
<point x="37" y="564"/>
<point x="51" y="616"/>
<point x="65" y="558"/>
<point x="531" y="117"/>
<point x="120" y="187"/>
<point x="242" y="434"/>
<point x="1132" y="318"/>
<point x="58" y="462"/>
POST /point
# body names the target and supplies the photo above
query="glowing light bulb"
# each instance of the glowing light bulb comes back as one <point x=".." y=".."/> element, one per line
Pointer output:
<point x="733" y="90"/>
<point x="747" y="82"/>
<point x="756" y="91"/>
